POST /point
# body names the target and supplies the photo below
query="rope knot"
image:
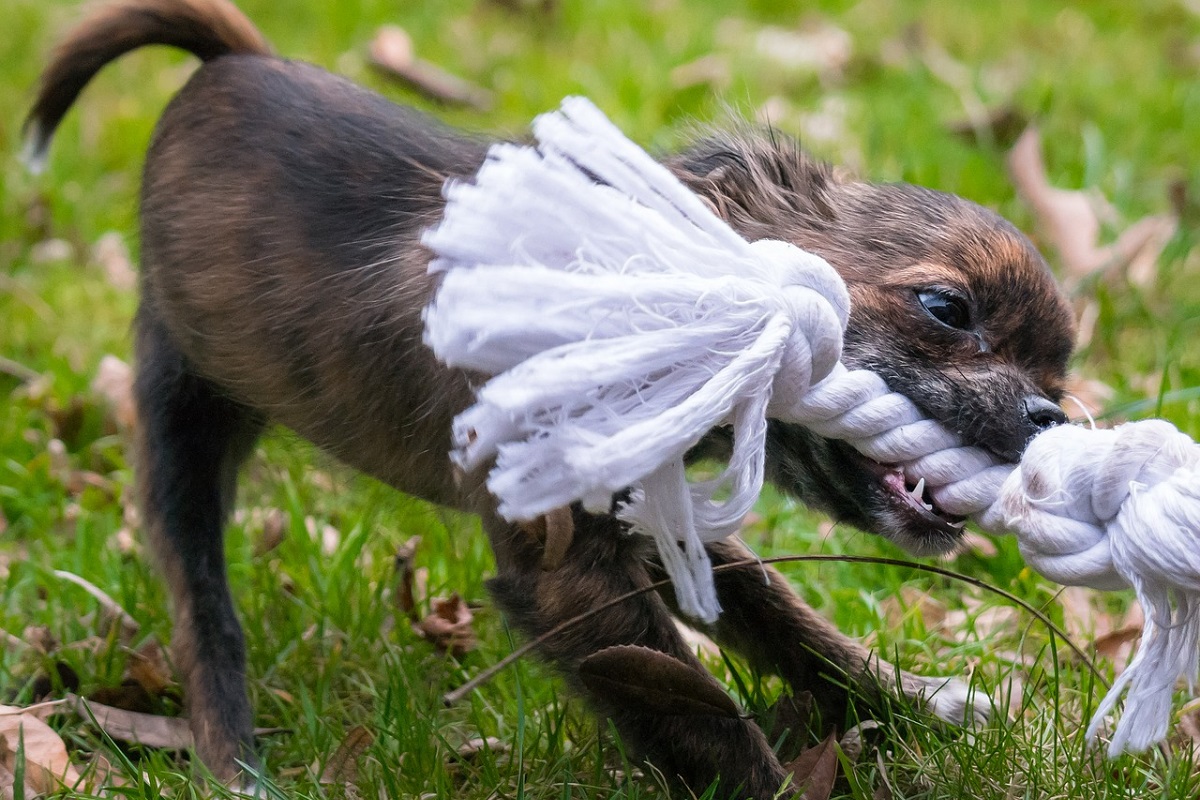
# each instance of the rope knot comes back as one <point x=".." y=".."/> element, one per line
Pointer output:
<point x="1073" y="482"/>
<point x="814" y="300"/>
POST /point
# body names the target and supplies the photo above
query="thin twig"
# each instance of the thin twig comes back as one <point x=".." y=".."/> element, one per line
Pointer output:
<point x="129" y="625"/>
<point x="17" y="370"/>
<point x="452" y="697"/>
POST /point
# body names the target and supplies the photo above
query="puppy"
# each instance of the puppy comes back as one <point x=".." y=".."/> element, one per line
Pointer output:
<point x="282" y="281"/>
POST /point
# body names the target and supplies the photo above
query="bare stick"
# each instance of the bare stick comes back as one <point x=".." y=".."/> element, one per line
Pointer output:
<point x="452" y="697"/>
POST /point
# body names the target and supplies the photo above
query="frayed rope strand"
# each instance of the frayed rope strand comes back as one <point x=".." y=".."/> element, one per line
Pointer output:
<point x="622" y="320"/>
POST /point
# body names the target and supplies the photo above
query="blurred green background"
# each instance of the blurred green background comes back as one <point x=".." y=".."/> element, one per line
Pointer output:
<point x="931" y="93"/>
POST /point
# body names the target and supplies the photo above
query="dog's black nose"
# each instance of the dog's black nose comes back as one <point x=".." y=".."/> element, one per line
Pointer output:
<point x="1043" y="413"/>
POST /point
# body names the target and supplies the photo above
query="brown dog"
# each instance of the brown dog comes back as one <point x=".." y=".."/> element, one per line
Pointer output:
<point x="282" y="281"/>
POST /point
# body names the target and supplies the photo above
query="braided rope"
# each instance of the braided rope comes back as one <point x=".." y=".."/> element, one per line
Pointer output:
<point x="623" y="320"/>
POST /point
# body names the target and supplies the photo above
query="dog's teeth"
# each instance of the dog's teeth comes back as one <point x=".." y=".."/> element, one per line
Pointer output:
<point x="928" y="506"/>
<point x="959" y="525"/>
<point x="919" y="490"/>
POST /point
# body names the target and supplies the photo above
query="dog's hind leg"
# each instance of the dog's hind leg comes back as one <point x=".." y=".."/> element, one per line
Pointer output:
<point x="192" y="440"/>
<point x="602" y="563"/>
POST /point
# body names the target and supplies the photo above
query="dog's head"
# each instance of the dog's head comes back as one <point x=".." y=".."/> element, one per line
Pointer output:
<point x="951" y="305"/>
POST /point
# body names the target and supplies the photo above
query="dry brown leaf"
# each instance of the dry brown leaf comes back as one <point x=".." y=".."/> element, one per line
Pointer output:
<point x="448" y="626"/>
<point x="1071" y="222"/>
<point x="148" y="730"/>
<point x="148" y="667"/>
<point x="884" y="790"/>
<point x="329" y="537"/>
<point x="406" y="600"/>
<point x="649" y="680"/>
<point x="1188" y="728"/>
<point x="50" y="250"/>
<point x="342" y="767"/>
<point x="40" y="638"/>
<point x="792" y="716"/>
<point x="1000" y="126"/>
<point x="274" y="531"/>
<point x="858" y="738"/>
<point x="112" y="254"/>
<point x="815" y="770"/>
<point x="114" y="383"/>
<point x="708" y="70"/>
<point x="392" y="53"/>
<point x="47" y="767"/>
<point x="473" y="747"/>
<point x="8" y="783"/>
<point x="819" y="46"/>
<point x="1079" y="612"/>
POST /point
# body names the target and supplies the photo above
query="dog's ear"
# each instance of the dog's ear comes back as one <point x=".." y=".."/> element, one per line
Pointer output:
<point x="761" y="182"/>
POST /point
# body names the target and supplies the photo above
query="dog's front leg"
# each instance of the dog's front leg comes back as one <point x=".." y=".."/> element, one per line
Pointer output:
<point x="764" y="620"/>
<point x="602" y="563"/>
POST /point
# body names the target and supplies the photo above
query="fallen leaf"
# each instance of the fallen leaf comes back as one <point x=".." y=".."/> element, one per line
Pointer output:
<point x="149" y="669"/>
<point x="473" y="747"/>
<point x="129" y="696"/>
<point x="708" y="70"/>
<point x="342" y="767"/>
<point x="819" y="46"/>
<point x="1079" y="617"/>
<point x="858" y="738"/>
<point x="148" y="730"/>
<point x="274" y="525"/>
<point x="448" y="626"/>
<point x="50" y="250"/>
<point x="62" y="680"/>
<point x="47" y="767"/>
<point x="392" y="53"/>
<point x="66" y="421"/>
<point x="997" y="127"/>
<point x="1071" y="222"/>
<point x="649" y="680"/>
<point x="884" y="790"/>
<point x="112" y="254"/>
<point x="406" y="600"/>
<point x="329" y="537"/>
<point x="815" y="770"/>
<point x="792" y="720"/>
<point x="114" y="383"/>
<point x="40" y="638"/>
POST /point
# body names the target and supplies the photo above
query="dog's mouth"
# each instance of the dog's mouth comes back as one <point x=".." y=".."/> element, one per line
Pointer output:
<point x="914" y="502"/>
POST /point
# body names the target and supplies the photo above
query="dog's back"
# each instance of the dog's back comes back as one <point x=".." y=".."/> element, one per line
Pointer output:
<point x="280" y="212"/>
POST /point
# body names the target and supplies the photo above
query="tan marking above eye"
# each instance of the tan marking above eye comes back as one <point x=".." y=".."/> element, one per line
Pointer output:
<point x="926" y="274"/>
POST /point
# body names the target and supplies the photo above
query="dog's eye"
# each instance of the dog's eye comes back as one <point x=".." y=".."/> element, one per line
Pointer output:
<point x="948" y="309"/>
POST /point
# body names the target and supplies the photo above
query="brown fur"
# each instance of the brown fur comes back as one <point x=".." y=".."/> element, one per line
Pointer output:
<point x="282" y="281"/>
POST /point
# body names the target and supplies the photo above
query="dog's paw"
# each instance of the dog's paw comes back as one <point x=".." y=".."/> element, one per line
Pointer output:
<point x="950" y="699"/>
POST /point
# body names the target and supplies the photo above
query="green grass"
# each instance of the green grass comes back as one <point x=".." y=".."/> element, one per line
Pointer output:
<point x="1113" y="85"/>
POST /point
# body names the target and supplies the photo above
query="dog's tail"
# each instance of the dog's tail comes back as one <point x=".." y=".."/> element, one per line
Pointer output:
<point x="205" y="28"/>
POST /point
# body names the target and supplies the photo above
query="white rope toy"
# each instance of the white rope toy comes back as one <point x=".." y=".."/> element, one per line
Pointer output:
<point x="623" y="320"/>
